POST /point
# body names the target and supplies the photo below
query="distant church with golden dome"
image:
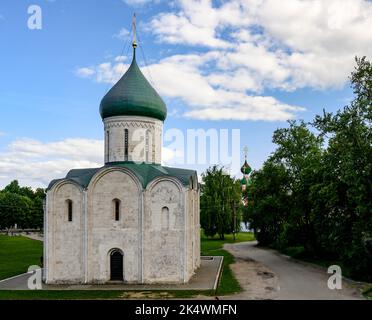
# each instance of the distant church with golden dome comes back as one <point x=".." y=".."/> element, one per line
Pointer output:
<point x="131" y="220"/>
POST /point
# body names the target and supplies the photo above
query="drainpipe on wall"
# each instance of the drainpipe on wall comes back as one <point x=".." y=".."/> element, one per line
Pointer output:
<point x="45" y="251"/>
<point x="85" y="208"/>
<point x="142" y="232"/>
<point x="185" y="236"/>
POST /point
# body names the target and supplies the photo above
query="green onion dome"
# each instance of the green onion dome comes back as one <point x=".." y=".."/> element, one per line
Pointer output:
<point x="243" y="181"/>
<point x="133" y="95"/>
<point x="249" y="182"/>
<point x="246" y="169"/>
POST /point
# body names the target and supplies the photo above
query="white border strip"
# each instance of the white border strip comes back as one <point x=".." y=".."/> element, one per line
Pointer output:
<point x="11" y="278"/>
<point x="218" y="274"/>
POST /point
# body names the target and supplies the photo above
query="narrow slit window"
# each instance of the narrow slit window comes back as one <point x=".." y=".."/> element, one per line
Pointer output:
<point x="165" y="218"/>
<point x="117" y="209"/>
<point x="126" y="134"/>
<point x="108" y="146"/>
<point x="69" y="210"/>
<point x="147" y="145"/>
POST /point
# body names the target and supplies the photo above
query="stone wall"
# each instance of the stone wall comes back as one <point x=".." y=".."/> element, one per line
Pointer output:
<point x="193" y="231"/>
<point x="65" y="238"/>
<point x="164" y="237"/>
<point x="105" y="233"/>
<point x="158" y="230"/>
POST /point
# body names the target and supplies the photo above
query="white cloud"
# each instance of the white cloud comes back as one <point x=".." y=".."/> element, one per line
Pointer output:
<point x="107" y="72"/>
<point x="213" y="95"/>
<point x="249" y="46"/>
<point x="122" y="34"/>
<point x="284" y="44"/>
<point x="120" y="58"/>
<point x="199" y="23"/>
<point x="35" y="163"/>
<point x="168" y="154"/>
<point x="85" y="72"/>
<point x="179" y="30"/>
<point x="250" y="108"/>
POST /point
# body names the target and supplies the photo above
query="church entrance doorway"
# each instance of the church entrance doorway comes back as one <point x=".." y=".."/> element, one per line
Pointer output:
<point x="116" y="266"/>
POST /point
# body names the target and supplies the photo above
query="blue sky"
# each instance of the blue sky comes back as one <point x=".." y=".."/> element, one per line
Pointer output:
<point x="240" y="61"/>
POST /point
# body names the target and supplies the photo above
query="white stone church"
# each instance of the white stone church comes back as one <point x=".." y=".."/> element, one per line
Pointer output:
<point x="132" y="220"/>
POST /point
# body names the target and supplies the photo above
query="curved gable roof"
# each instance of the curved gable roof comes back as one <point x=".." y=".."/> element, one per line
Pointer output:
<point x="144" y="172"/>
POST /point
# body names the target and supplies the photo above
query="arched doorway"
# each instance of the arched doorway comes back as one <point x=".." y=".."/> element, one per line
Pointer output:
<point x="116" y="265"/>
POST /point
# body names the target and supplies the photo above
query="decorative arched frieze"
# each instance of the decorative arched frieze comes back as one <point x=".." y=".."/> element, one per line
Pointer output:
<point x="104" y="171"/>
<point x="157" y="180"/>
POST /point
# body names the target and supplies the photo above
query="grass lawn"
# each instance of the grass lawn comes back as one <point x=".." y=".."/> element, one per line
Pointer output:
<point x="17" y="254"/>
<point x="14" y="250"/>
<point x="213" y="247"/>
<point x="368" y="293"/>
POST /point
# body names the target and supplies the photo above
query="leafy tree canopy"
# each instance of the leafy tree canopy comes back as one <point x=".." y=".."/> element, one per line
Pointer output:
<point x="315" y="191"/>
<point x="219" y="203"/>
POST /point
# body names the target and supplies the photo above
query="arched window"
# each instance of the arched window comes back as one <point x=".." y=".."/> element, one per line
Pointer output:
<point x="165" y="218"/>
<point x="126" y="139"/>
<point x="116" y="206"/>
<point x="147" y="146"/>
<point x="69" y="210"/>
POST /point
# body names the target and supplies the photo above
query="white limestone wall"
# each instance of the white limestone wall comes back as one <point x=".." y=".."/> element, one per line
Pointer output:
<point x="164" y="243"/>
<point x="64" y="239"/>
<point x="137" y="126"/>
<point x="157" y="248"/>
<point x="193" y="231"/>
<point x="105" y="233"/>
<point x="197" y="229"/>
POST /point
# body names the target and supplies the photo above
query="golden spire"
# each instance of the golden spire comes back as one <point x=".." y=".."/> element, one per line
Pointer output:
<point x="134" y="43"/>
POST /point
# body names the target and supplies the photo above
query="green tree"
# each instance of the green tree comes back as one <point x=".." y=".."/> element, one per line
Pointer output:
<point x="13" y="187"/>
<point x="268" y="202"/>
<point x="345" y="193"/>
<point x="315" y="189"/>
<point x="37" y="212"/>
<point x="14" y="209"/>
<point x="299" y="151"/>
<point x="32" y="217"/>
<point x="220" y="203"/>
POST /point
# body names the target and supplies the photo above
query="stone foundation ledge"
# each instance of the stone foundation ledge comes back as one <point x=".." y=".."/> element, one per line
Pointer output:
<point x="206" y="277"/>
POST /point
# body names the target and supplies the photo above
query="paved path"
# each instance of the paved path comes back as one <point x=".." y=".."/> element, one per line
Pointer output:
<point x="266" y="274"/>
<point x="204" y="279"/>
<point x="33" y="236"/>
